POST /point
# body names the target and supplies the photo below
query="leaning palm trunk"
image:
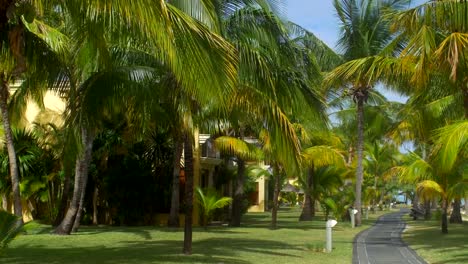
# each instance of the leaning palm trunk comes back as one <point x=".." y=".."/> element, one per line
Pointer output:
<point x="14" y="174"/>
<point x="455" y="216"/>
<point x="274" y="210"/>
<point x="88" y="138"/>
<point x="81" y="174"/>
<point x="237" y="202"/>
<point x="173" y="220"/>
<point x="188" y="158"/>
<point x="308" y="211"/>
<point x="65" y="195"/>
<point x="360" y="146"/>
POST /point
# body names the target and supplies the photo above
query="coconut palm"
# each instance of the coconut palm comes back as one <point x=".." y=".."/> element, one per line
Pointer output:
<point x="315" y="158"/>
<point x="83" y="75"/>
<point x="363" y="33"/>
<point x="25" y="47"/>
<point x="379" y="158"/>
<point x="263" y="95"/>
<point x="243" y="151"/>
<point x="444" y="173"/>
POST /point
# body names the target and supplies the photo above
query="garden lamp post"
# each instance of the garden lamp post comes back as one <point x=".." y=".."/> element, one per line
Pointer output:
<point x="329" y="225"/>
<point x="352" y="212"/>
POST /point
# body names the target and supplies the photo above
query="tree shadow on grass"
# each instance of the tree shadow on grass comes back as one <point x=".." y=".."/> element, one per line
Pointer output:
<point x="217" y="250"/>
<point x="429" y="238"/>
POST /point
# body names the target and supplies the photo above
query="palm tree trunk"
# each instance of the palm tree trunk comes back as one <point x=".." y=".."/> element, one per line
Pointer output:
<point x="274" y="210"/>
<point x="455" y="217"/>
<point x="65" y="195"/>
<point x="444" y="224"/>
<point x="237" y="202"/>
<point x="173" y="220"/>
<point x="188" y="157"/>
<point x="81" y="173"/>
<point x="308" y="210"/>
<point x="427" y="209"/>
<point x="350" y="156"/>
<point x="360" y="147"/>
<point x="14" y="173"/>
<point x="88" y="138"/>
<point x="95" y="207"/>
<point x="5" y="202"/>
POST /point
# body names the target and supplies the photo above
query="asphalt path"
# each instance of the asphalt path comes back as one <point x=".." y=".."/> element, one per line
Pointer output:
<point x="382" y="243"/>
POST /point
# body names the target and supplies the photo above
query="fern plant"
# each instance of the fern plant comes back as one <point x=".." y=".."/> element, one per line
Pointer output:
<point x="209" y="202"/>
<point x="10" y="226"/>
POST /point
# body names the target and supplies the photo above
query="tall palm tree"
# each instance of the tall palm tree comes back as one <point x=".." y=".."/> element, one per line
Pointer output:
<point x="429" y="44"/>
<point x="263" y="93"/>
<point x="363" y="33"/>
<point x="24" y="48"/>
<point x="181" y="44"/>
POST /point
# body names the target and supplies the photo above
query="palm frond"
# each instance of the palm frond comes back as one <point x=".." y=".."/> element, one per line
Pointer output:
<point x="239" y="148"/>
<point x="429" y="189"/>
<point x="323" y="156"/>
<point x="451" y="142"/>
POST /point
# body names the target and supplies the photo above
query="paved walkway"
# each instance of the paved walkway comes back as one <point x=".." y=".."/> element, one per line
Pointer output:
<point x="382" y="243"/>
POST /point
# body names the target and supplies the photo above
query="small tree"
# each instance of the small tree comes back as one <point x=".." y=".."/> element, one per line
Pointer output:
<point x="209" y="202"/>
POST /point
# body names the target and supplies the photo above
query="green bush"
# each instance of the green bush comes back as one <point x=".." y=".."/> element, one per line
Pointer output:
<point x="10" y="226"/>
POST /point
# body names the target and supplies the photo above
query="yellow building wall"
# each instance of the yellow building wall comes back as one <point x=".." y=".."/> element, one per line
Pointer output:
<point x="260" y="207"/>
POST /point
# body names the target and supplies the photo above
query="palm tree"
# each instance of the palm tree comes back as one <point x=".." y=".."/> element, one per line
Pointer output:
<point x="443" y="173"/>
<point x="24" y="48"/>
<point x="314" y="158"/>
<point x="243" y="151"/>
<point x="379" y="159"/>
<point x="429" y="44"/>
<point x="177" y="36"/>
<point x="258" y="36"/>
<point x="363" y="33"/>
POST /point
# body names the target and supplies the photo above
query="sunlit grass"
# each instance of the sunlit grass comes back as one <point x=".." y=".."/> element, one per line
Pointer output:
<point x="254" y="242"/>
<point x="426" y="238"/>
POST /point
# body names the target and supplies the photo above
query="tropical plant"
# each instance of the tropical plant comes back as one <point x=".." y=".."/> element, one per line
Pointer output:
<point x="243" y="151"/>
<point x="313" y="185"/>
<point x="209" y="201"/>
<point x="443" y="174"/>
<point x="363" y="33"/>
<point x="24" y="50"/>
<point x="113" y="63"/>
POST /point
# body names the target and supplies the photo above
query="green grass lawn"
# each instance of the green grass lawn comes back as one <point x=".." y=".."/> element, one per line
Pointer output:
<point x="294" y="242"/>
<point x="427" y="240"/>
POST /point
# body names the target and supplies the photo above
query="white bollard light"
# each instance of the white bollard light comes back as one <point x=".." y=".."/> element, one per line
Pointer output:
<point x="329" y="225"/>
<point x="352" y="212"/>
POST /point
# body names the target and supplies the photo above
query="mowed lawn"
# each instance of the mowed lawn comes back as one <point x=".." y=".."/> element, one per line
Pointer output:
<point x="427" y="240"/>
<point x="293" y="242"/>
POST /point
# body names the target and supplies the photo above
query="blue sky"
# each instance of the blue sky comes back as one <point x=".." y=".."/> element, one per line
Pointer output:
<point x="318" y="16"/>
